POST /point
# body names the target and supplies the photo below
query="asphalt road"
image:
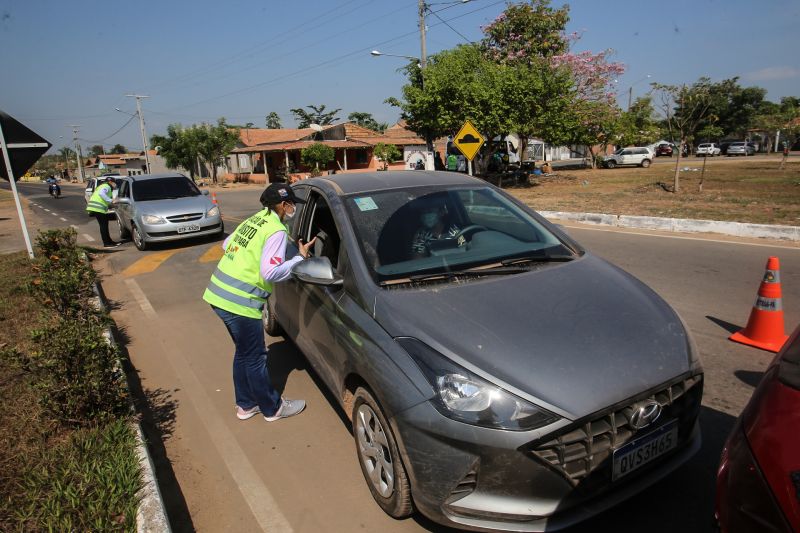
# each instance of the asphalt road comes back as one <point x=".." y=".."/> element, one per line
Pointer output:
<point x="218" y="473"/>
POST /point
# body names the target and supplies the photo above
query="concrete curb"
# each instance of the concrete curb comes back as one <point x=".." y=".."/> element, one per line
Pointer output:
<point x="683" y="225"/>
<point x="151" y="515"/>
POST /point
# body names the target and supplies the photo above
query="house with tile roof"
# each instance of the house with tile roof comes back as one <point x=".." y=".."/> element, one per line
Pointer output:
<point x="267" y="155"/>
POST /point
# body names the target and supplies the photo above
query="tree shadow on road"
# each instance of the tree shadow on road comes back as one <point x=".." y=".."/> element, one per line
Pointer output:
<point x="156" y="408"/>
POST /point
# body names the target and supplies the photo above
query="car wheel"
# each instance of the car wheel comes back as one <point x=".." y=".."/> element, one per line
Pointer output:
<point x="271" y="325"/>
<point x="645" y="163"/>
<point x="610" y="164"/>
<point x="379" y="458"/>
<point x="138" y="241"/>
<point x="122" y="231"/>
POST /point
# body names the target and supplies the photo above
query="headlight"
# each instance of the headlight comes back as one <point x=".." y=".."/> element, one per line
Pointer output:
<point x="463" y="396"/>
<point x="214" y="211"/>
<point x="153" y="219"/>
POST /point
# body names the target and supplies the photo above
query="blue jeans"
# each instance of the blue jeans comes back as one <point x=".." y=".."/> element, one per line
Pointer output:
<point x="251" y="382"/>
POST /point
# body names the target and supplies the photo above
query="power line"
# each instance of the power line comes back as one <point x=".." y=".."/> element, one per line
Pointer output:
<point x="449" y="26"/>
<point x="109" y="136"/>
<point x="330" y="61"/>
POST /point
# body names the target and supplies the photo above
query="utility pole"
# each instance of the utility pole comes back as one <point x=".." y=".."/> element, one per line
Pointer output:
<point x="630" y="94"/>
<point x="141" y="126"/>
<point x="423" y="58"/>
<point x="78" y="154"/>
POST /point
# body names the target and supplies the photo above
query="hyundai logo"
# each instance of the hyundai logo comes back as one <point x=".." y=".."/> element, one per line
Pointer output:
<point x="644" y="413"/>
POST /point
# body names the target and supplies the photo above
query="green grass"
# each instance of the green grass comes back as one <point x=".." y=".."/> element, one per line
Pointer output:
<point x="53" y="476"/>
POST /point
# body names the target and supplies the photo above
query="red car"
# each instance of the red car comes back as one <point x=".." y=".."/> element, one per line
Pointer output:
<point x="664" y="149"/>
<point x="758" y="481"/>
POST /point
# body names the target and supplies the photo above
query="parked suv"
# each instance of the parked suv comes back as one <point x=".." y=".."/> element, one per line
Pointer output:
<point x="741" y="148"/>
<point x="710" y="149"/>
<point x="164" y="207"/>
<point x="636" y="155"/>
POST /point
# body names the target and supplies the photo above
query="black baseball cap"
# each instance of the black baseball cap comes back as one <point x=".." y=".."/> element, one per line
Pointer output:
<point x="276" y="193"/>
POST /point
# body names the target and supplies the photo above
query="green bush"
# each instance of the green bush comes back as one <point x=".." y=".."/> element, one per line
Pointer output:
<point x="77" y="372"/>
<point x="84" y="483"/>
<point x="65" y="279"/>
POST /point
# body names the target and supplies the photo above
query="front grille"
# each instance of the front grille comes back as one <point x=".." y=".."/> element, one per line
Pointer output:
<point x="586" y="446"/>
<point x="186" y="217"/>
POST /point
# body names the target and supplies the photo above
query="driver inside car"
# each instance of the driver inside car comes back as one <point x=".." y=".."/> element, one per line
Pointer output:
<point x="433" y="226"/>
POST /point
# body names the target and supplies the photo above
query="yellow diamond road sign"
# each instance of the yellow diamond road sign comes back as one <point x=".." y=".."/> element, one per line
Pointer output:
<point x="468" y="140"/>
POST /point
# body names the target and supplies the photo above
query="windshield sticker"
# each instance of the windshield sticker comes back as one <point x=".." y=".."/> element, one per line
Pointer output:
<point x="366" y="203"/>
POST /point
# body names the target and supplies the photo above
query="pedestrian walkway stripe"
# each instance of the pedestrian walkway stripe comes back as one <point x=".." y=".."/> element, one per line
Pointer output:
<point x="148" y="263"/>
<point x="63" y="219"/>
<point x="88" y="237"/>
<point x="212" y="254"/>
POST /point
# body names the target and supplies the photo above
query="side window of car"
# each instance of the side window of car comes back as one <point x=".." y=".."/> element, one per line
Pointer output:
<point x="320" y="224"/>
<point x="124" y="190"/>
<point x="302" y="210"/>
<point x="626" y="152"/>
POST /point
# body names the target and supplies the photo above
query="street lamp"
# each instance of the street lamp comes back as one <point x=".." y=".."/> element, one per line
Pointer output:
<point x="377" y="53"/>
<point x="630" y="89"/>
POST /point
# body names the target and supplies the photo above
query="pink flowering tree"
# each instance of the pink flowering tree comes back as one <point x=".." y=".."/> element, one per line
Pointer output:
<point x="532" y="35"/>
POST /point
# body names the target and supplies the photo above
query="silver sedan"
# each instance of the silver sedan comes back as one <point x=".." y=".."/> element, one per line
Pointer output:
<point x="164" y="207"/>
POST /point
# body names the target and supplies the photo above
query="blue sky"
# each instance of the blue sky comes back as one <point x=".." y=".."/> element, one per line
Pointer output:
<point x="72" y="62"/>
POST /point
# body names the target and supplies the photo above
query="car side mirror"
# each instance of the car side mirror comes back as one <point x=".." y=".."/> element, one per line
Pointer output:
<point x="123" y="200"/>
<point x="205" y="192"/>
<point x="316" y="271"/>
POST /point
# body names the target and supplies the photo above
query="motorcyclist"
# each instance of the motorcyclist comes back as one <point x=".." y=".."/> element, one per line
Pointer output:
<point x="53" y="187"/>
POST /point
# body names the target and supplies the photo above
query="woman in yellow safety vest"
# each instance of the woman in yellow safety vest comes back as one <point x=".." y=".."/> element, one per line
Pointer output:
<point x="255" y="257"/>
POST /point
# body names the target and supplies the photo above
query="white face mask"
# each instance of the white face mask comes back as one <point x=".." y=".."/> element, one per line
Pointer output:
<point x="287" y="215"/>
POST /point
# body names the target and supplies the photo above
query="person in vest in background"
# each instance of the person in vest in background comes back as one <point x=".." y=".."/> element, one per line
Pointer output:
<point x="101" y="199"/>
<point x="255" y="257"/>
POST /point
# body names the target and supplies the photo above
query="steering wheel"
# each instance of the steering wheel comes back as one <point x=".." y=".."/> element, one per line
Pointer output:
<point x="469" y="230"/>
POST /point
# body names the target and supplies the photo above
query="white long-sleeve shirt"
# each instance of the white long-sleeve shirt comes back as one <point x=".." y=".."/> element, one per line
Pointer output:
<point x="106" y="193"/>
<point x="274" y="265"/>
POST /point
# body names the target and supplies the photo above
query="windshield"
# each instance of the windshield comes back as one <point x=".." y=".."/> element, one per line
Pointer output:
<point x="164" y="188"/>
<point x="409" y="232"/>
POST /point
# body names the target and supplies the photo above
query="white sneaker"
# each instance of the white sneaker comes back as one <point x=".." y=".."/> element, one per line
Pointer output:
<point x="244" y="414"/>
<point x="287" y="408"/>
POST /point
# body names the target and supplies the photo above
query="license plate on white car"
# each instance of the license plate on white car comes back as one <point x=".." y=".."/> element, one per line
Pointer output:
<point x="645" y="449"/>
<point x="189" y="228"/>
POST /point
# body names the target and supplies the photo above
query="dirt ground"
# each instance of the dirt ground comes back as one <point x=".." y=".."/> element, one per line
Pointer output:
<point x="735" y="190"/>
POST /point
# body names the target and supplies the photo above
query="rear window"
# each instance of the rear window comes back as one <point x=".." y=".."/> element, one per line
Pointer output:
<point x="164" y="189"/>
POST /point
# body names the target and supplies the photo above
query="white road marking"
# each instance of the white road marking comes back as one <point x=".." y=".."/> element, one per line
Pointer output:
<point x="46" y="209"/>
<point x="261" y="502"/>
<point x="63" y="219"/>
<point x="54" y="214"/>
<point x="73" y="226"/>
<point x="682" y="237"/>
<point x="87" y="237"/>
<point x="141" y="299"/>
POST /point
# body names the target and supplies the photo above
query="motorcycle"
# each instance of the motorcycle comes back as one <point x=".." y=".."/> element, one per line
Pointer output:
<point x="55" y="190"/>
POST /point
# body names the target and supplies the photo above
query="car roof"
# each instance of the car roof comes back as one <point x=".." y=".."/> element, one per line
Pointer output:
<point x="344" y="184"/>
<point x="145" y="177"/>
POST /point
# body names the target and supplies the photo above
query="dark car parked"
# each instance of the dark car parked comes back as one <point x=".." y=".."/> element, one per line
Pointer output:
<point x="664" y="149"/>
<point x="497" y="375"/>
<point x="758" y="481"/>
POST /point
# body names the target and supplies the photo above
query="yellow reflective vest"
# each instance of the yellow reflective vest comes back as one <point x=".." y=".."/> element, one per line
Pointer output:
<point x="236" y="285"/>
<point x="97" y="203"/>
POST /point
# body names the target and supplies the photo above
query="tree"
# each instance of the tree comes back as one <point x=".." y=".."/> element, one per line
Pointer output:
<point x="684" y="108"/>
<point x="365" y="120"/>
<point x="118" y="149"/>
<point x="317" y="115"/>
<point x="178" y="148"/>
<point x="317" y="155"/>
<point x="66" y="152"/>
<point x="638" y="126"/>
<point x="526" y="31"/>
<point x="96" y="150"/>
<point x="273" y="121"/>
<point x="214" y="143"/>
<point x="387" y="153"/>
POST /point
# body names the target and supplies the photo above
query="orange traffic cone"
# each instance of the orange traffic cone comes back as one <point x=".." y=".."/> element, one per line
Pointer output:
<point x="214" y="198"/>
<point x="765" y="327"/>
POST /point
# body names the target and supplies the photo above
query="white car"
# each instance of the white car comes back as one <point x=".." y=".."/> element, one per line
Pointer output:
<point x="634" y="155"/>
<point x="709" y="149"/>
<point x="93" y="183"/>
